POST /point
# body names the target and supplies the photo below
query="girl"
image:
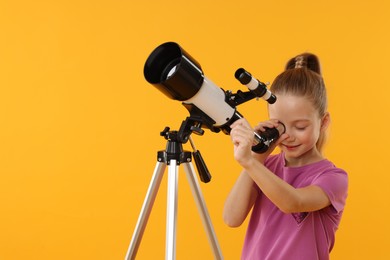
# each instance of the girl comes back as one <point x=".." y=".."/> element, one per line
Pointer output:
<point x="297" y="197"/>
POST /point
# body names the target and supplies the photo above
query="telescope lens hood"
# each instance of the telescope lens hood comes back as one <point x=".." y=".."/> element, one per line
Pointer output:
<point x="173" y="71"/>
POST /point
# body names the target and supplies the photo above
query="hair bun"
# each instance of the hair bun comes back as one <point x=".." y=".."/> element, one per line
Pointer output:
<point x="305" y="60"/>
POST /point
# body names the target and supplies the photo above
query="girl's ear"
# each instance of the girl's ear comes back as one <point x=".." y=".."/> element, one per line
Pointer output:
<point x="325" y="121"/>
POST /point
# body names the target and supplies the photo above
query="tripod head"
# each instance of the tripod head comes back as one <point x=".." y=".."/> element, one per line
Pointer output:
<point x="174" y="148"/>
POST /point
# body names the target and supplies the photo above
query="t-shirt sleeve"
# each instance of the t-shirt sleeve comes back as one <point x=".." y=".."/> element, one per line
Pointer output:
<point x="334" y="183"/>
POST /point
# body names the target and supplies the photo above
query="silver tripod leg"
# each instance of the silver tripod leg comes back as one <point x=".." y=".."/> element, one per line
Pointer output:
<point x="173" y="168"/>
<point x="145" y="211"/>
<point x="170" y="242"/>
<point x="200" y="203"/>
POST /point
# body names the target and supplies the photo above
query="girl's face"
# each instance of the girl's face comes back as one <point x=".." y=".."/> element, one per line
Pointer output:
<point x="303" y="126"/>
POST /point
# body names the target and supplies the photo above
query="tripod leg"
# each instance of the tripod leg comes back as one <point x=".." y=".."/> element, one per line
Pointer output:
<point x="196" y="192"/>
<point x="170" y="252"/>
<point x="145" y="211"/>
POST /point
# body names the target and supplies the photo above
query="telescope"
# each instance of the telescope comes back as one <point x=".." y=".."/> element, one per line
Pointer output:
<point x="180" y="77"/>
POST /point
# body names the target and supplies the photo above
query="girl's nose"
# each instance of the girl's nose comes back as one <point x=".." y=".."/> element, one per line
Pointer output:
<point x="290" y="137"/>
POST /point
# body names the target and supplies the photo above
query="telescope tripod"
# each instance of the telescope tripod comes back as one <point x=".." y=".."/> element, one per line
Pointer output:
<point x="173" y="156"/>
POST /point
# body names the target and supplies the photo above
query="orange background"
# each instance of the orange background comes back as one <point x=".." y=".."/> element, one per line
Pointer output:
<point x="79" y="125"/>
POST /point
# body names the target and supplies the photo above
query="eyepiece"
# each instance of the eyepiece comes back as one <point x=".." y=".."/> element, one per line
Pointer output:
<point x="266" y="138"/>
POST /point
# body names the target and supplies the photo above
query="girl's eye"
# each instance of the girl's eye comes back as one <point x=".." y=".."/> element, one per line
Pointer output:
<point x="300" y="128"/>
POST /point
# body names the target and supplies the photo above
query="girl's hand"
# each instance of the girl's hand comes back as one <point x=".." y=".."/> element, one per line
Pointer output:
<point x="242" y="137"/>
<point x="261" y="127"/>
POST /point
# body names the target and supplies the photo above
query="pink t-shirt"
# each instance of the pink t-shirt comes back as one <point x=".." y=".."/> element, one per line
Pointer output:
<point x="273" y="235"/>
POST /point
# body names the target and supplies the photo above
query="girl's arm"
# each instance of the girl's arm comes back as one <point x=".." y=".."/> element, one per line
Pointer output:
<point x="239" y="201"/>
<point x="287" y="198"/>
<point x="244" y="193"/>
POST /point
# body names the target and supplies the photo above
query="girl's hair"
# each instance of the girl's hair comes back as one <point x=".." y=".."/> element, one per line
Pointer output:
<point x="302" y="77"/>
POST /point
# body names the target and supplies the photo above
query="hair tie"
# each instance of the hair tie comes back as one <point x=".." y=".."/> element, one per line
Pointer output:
<point x="299" y="62"/>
